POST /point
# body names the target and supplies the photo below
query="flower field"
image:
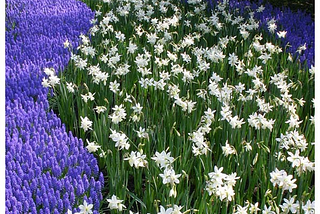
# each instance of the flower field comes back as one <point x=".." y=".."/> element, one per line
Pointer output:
<point x="47" y="169"/>
<point x="157" y="106"/>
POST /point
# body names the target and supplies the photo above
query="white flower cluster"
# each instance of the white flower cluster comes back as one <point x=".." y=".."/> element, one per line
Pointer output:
<point x="52" y="81"/>
<point x="118" y="115"/>
<point x="292" y="139"/>
<point x="187" y="63"/>
<point x="86" y="123"/>
<point x="200" y="144"/>
<point x="221" y="185"/>
<point x="301" y="163"/>
<point x="171" y="210"/>
<point x="283" y="180"/>
<point x="169" y="176"/>
<point x="120" y="139"/>
<point x="115" y="203"/>
<point x="137" y="159"/>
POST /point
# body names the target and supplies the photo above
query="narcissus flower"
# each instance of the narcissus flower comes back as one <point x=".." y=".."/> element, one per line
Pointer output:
<point x="115" y="203"/>
<point x="92" y="146"/>
<point x="86" y="124"/>
<point x="86" y="208"/>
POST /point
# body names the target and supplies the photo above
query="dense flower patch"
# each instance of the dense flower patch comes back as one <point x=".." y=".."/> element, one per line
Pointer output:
<point x="299" y="26"/>
<point x="191" y="110"/>
<point x="180" y="121"/>
<point x="47" y="169"/>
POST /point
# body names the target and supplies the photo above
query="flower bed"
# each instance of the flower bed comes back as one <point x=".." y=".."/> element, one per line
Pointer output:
<point x="299" y="26"/>
<point x="191" y="110"/>
<point x="47" y="169"/>
<point x="223" y="126"/>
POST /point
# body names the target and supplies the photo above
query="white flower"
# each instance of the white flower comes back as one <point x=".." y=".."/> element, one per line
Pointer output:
<point x="88" y="50"/>
<point x="267" y="210"/>
<point x="301" y="48"/>
<point x="115" y="204"/>
<point x="295" y="159"/>
<point x="88" y="96"/>
<point x="293" y="121"/>
<point x="235" y="122"/>
<point x="185" y="57"/>
<point x="217" y="176"/>
<point x="171" y="56"/>
<point x="242" y="210"/>
<point x="173" y="191"/>
<point x="80" y="63"/>
<point x="114" y="60"/>
<point x="309" y="208"/>
<point x="200" y="145"/>
<point x="120" y="36"/>
<point x="233" y="59"/>
<point x="225" y="112"/>
<point x="142" y="133"/>
<point x="122" y="70"/>
<point x="137" y="159"/>
<point x="85" y="40"/>
<point x="260" y="9"/>
<point x="132" y="47"/>
<point x="164" y="211"/>
<point x="91" y="96"/>
<point x="100" y="109"/>
<point x="228" y="150"/>
<point x="120" y="139"/>
<point x="49" y="71"/>
<point x="86" y="124"/>
<point x="70" y="87"/>
<point x="98" y="13"/>
<point x="225" y="192"/>
<point x="86" y="208"/>
<point x="272" y="27"/>
<point x="137" y="108"/>
<point x="254" y="208"/>
<point x="289" y="205"/>
<point x="152" y="38"/>
<point x="176" y="209"/>
<point x="54" y="80"/>
<point x="118" y="115"/>
<point x="231" y="179"/>
<point x="45" y="83"/>
<point x="221" y="185"/>
<point x="163" y="159"/>
<point x="114" y="86"/>
<point x="312" y="70"/>
<point x="92" y="146"/>
<point x="190" y="105"/>
<point x="282" y="34"/>
<point x="240" y="87"/>
<point x="264" y="57"/>
<point x="281" y="179"/>
<point x="169" y="176"/>
<point x="158" y="48"/>
<point x="209" y="114"/>
<point x="141" y="61"/>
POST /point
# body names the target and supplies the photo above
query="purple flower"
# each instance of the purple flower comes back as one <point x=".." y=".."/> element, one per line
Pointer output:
<point x="45" y="165"/>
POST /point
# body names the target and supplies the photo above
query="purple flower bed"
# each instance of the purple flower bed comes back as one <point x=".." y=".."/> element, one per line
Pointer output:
<point x="47" y="169"/>
<point x="299" y="26"/>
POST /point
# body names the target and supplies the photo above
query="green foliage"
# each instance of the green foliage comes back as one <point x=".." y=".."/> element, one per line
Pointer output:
<point x="170" y="121"/>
